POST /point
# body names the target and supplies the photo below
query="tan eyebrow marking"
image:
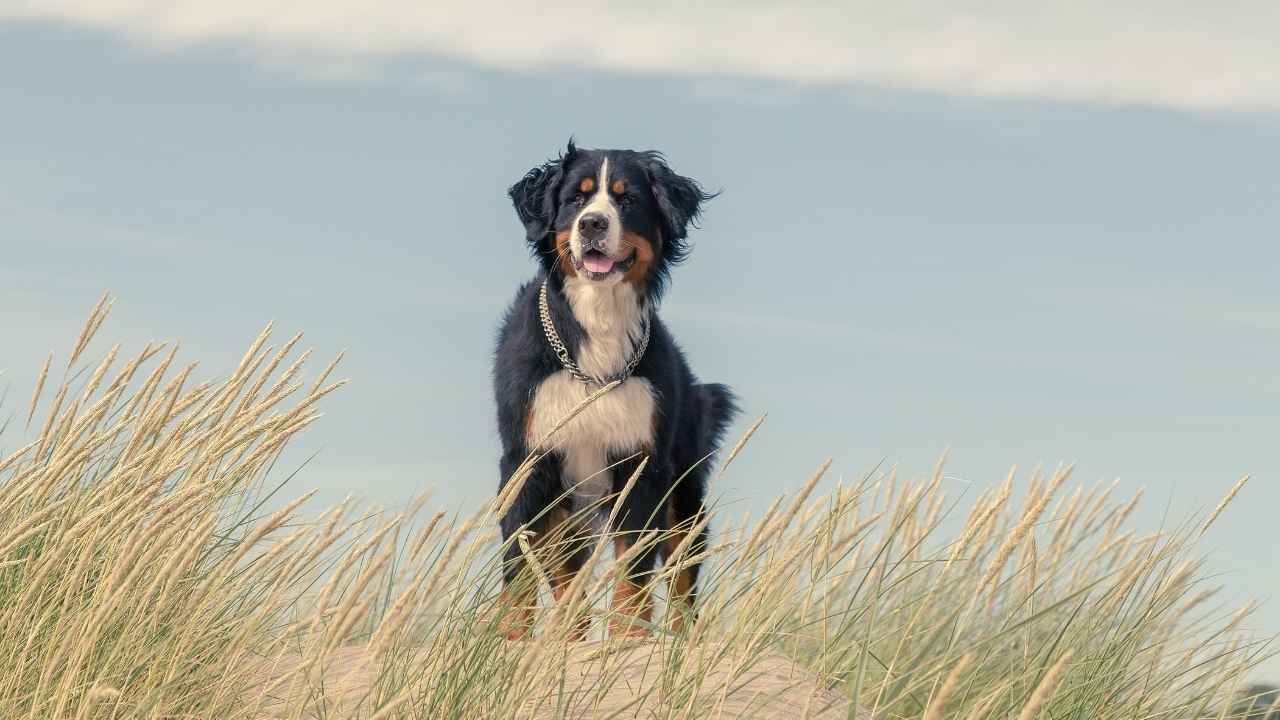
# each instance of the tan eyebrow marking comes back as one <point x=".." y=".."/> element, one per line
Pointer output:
<point x="619" y="187"/>
<point x="587" y="185"/>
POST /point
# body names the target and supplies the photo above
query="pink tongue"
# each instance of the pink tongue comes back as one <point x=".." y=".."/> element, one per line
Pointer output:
<point x="597" y="262"/>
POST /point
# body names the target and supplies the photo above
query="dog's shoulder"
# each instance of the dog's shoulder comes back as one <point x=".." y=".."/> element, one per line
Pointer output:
<point x="521" y="356"/>
<point x="521" y="317"/>
<point x="664" y="363"/>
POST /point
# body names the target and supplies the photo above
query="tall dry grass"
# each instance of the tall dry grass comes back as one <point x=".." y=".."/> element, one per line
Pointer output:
<point x="147" y="570"/>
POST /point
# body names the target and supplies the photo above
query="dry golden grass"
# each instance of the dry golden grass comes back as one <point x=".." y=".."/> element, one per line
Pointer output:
<point x="142" y="575"/>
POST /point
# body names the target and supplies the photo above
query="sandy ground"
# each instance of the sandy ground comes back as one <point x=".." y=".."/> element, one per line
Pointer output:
<point x="773" y="687"/>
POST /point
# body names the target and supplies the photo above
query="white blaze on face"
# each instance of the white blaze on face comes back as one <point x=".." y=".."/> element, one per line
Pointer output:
<point x="601" y="202"/>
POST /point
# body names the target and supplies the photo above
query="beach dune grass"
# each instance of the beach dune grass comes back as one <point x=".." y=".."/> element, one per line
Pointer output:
<point x="149" y="567"/>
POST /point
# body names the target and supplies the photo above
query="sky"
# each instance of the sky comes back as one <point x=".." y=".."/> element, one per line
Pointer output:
<point x="1031" y="238"/>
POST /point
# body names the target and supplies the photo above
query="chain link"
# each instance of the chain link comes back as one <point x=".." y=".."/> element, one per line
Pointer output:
<point x="562" y="352"/>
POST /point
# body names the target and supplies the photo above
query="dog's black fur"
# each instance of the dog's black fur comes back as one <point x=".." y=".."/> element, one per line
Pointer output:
<point x="691" y="418"/>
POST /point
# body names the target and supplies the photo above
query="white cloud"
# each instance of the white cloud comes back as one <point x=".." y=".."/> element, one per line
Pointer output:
<point x="1195" y="55"/>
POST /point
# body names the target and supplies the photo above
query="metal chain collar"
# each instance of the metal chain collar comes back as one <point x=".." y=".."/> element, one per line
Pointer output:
<point x="562" y="352"/>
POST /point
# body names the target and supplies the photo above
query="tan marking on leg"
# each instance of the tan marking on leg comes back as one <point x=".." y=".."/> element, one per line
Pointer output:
<point x="516" y="609"/>
<point x="518" y="603"/>
<point x="561" y="579"/>
<point x="630" y="602"/>
<point x="555" y="547"/>
<point x="678" y="605"/>
<point x="680" y="584"/>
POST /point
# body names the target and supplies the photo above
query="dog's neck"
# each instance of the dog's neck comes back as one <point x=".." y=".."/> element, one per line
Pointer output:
<point x="612" y="318"/>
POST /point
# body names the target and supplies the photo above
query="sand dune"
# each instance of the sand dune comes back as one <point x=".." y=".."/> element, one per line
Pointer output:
<point x="613" y="681"/>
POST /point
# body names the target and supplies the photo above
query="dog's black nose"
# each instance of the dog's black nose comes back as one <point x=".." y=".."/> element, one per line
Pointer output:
<point x="593" y="225"/>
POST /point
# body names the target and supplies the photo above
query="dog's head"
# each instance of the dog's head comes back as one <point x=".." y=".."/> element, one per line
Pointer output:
<point x="608" y="216"/>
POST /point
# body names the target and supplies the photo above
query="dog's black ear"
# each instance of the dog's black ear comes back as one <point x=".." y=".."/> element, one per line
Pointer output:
<point x="679" y="200"/>
<point x="535" y="197"/>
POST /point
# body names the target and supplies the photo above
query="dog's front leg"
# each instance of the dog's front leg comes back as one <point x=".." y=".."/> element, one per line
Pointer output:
<point x="532" y="509"/>
<point x="641" y="519"/>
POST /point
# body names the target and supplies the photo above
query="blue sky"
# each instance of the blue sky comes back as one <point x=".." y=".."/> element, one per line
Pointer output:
<point x="996" y="233"/>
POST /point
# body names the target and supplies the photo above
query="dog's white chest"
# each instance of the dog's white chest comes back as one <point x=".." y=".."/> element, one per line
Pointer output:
<point x="619" y="422"/>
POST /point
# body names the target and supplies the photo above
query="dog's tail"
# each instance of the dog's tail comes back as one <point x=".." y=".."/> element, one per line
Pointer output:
<point x="717" y="407"/>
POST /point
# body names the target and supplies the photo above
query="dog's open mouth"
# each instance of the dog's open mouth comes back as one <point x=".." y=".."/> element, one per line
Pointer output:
<point x="597" y="265"/>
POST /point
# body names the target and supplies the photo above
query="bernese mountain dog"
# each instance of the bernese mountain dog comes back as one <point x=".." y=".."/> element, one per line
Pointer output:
<point x="606" y="227"/>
